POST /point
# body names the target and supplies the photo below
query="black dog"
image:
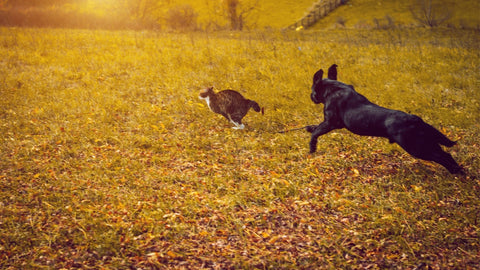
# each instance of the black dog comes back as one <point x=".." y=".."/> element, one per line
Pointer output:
<point x="345" y="108"/>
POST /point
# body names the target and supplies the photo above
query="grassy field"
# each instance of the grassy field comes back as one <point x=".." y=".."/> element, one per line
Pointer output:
<point x="110" y="161"/>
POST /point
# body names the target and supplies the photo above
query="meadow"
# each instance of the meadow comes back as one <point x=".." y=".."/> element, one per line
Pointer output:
<point x="110" y="161"/>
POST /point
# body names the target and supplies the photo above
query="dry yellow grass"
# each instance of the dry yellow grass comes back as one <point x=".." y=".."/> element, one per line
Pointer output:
<point x="109" y="160"/>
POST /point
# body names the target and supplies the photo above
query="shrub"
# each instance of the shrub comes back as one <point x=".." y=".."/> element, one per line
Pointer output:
<point x="386" y="23"/>
<point x="430" y="13"/>
<point x="182" y="17"/>
<point x="341" y="21"/>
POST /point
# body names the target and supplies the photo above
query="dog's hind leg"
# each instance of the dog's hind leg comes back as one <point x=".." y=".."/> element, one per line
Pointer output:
<point x="433" y="152"/>
<point x="446" y="160"/>
<point x="436" y="135"/>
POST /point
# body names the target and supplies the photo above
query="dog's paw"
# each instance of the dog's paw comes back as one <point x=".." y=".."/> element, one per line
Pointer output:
<point x="310" y="128"/>
<point x="458" y="171"/>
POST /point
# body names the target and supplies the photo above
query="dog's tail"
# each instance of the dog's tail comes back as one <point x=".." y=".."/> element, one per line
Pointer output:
<point x="255" y="106"/>
<point x="438" y="136"/>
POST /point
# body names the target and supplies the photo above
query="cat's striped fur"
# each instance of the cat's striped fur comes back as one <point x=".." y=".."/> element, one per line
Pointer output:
<point x="229" y="103"/>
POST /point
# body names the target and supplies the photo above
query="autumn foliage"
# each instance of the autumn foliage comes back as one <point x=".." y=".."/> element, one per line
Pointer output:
<point x="109" y="160"/>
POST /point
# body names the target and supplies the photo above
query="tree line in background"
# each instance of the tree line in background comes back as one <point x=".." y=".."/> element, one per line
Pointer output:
<point x="126" y="14"/>
<point x="165" y="14"/>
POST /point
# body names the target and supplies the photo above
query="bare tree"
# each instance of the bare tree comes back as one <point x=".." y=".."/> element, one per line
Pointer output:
<point x="182" y="17"/>
<point x="137" y="9"/>
<point x="431" y="13"/>
<point x="137" y="13"/>
<point x="237" y="11"/>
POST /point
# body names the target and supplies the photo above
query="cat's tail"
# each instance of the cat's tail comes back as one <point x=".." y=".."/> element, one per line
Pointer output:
<point x="254" y="105"/>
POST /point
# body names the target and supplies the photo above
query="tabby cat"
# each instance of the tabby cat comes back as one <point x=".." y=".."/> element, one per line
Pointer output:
<point x="229" y="103"/>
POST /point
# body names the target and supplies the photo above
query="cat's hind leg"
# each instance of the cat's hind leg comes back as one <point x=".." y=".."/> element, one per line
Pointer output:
<point x="237" y="122"/>
<point x="238" y="126"/>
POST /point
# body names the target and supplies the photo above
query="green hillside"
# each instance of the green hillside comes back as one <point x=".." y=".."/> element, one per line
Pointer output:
<point x="282" y="13"/>
<point x="362" y="13"/>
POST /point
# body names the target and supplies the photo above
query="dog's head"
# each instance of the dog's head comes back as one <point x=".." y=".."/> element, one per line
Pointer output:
<point x="319" y="84"/>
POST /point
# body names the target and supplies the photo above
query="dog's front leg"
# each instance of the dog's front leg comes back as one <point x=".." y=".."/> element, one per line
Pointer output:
<point x="318" y="131"/>
<point x="311" y="128"/>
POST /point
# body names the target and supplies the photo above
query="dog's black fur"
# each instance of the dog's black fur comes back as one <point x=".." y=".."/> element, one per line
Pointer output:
<point x="345" y="108"/>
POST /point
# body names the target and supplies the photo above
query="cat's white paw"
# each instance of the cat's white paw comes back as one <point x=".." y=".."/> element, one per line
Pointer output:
<point x="237" y="126"/>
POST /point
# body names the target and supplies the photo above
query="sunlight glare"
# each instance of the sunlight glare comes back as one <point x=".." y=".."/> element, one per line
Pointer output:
<point x="97" y="6"/>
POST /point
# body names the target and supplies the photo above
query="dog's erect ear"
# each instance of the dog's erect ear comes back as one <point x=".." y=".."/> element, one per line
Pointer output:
<point x="332" y="72"/>
<point x="318" y="75"/>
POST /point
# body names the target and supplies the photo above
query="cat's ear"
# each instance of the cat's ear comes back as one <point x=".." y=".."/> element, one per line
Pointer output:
<point x="207" y="89"/>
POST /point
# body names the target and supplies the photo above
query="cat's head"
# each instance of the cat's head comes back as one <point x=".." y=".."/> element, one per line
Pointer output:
<point x="206" y="93"/>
